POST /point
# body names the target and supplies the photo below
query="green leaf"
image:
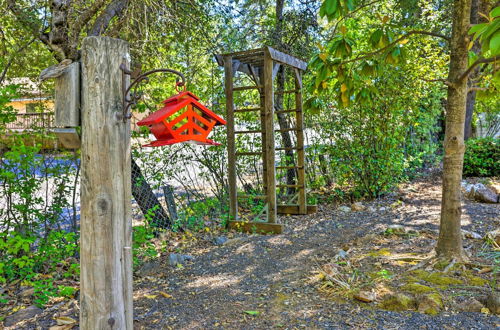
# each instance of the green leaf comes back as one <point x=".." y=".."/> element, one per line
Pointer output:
<point x="331" y="7"/>
<point x="478" y="28"/>
<point x="254" y="313"/>
<point x="495" y="12"/>
<point x="495" y="44"/>
<point x="375" y="37"/>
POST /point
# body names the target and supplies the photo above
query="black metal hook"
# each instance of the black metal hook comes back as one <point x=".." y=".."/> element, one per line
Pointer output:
<point x="131" y="99"/>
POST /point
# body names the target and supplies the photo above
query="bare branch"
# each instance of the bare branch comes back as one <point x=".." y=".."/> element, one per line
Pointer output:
<point x="478" y="62"/>
<point x="444" y="81"/>
<point x="114" y="9"/>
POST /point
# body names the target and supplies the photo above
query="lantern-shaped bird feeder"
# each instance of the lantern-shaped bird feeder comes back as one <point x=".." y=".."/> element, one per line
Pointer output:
<point x="182" y="119"/>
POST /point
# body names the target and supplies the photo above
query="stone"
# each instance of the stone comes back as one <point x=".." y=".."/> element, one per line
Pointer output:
<point x="365" y="296"/>
<point x="480" y="193"/>
<point x="174" y="259"/>
<point x="471" y="234"/>
<point x="382" y="209"/>
<point x="345" y="209"/>
<point x="494" y="235"/>
<point x="397" y="302"/>
<point x="148" y="269"/>
<point x="356" y="207"/>
<point x="220" y="240"/>
<point x="21" y="315"/>
<point x="341" y="254"/>
<point x="371" y="209"/>
<point x="430" y="304"/>
<point x="26" y="292"/>
<point x="396" y="229"/>
<point x="470" y="305"/>
<point x="493" y="302"/>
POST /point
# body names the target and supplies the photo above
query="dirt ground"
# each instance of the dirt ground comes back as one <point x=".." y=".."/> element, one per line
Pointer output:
<point x="263" y="282"/>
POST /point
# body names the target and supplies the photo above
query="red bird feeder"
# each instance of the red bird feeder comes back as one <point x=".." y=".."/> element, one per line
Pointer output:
<point x="182" y="119"/>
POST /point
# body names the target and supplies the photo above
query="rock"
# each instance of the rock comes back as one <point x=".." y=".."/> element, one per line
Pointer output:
<point x="356" y="207"/>
<point x="430" y="304"/>
<point x="493" y="302"/>
<point x="471" y="234"/>
<point x="174" y="259"/>
<point x="365" y="296"/>
<point x="397" y="302"/>
<point x="396" y="229"/>
<point x="26" y="292"/>
<point x="345" y="209"/>
<point x="148" y="269"/>
<point x="479" y="192"/>
<point x="371" y="209"/>
<point x="382" y="209"/>
<point x="220" y="240"/>
<point x="470" y="305"/>
<point x="234" y="241"/>
<point x="341" y="254"/>
<point x="21" y="315"/>
<point x="494" y="235"/>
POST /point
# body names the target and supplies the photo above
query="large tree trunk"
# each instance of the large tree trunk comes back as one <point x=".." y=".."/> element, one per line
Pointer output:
<point x="450" y="236"/>
<point x="147" y="201"/>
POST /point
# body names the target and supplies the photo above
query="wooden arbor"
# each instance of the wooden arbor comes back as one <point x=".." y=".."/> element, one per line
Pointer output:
<point x="261" y="66"/>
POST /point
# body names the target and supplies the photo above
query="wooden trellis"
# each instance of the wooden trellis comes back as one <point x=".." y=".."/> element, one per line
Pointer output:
<point x="262" y="65"/>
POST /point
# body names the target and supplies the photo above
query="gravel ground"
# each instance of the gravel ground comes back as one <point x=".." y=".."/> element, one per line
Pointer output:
<point x="260" y="282"/>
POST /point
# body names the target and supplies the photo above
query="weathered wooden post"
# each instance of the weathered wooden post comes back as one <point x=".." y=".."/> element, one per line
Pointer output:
<point x="106" y="223"/>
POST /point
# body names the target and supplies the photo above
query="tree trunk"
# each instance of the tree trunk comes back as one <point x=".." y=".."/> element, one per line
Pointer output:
<point x="450" y="237"/>
<point x="279" y="101"/>
<point x="469" y="111"/>
<point x="147" y="201"/>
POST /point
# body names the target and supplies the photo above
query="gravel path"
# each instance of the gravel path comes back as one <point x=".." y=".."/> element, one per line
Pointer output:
<point x="267" y="274"/>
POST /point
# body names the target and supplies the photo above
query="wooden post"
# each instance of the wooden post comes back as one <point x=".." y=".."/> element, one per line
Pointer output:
<point x="269" y="134"/>
<point x="299" y="119"/>
<point x="231" y="146"/>
<point x="168" y="192"/>
<point x="106" y="222"/>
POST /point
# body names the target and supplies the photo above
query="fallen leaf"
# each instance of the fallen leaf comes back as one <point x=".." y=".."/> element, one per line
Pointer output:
<point x="64" y="320"/>
<point x="150" y="296"/>
<point x="252" y="312"/>
<point x="62" y="327"/>
<point x="166" y="295"/>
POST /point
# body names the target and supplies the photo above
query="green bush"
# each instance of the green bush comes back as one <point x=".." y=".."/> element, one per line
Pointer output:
<point x="482" y="157"/>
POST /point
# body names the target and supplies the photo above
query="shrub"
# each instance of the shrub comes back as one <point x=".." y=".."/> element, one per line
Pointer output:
<point x="482" y="157"/>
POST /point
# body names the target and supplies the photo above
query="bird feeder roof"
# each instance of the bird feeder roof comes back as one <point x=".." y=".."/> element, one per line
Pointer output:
<point x="175" y="103"/>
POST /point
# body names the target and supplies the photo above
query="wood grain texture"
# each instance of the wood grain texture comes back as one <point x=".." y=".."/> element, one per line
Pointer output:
<point x="106" y="223"/>
<point x="299" y="119"/>
<point x="269" y="136"/>
<point x="231" y="146"/>
<point x="256" y="227"/>
<point x="67" y="97"/>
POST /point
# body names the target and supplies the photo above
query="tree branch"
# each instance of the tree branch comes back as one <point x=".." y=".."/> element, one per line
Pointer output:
<point x="115" y="8"/>
<point x="444" y="81"/>
<point x="11" y="59"/>
<point x="82" y="19"/>
<point x="476" y="63"/>
<point x="408" y="34"/>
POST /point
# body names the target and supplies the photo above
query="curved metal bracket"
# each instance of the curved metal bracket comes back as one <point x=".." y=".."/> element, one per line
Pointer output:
<point x="130" y="99"/>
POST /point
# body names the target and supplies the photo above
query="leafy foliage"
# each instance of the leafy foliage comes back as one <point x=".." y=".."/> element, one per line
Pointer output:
<point x="481" y="157"/>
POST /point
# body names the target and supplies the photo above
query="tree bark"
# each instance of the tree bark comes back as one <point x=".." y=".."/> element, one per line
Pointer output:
<point x="279" y="101"/>
<point x="450" y="237"/>
<point x="147" y="201"/>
